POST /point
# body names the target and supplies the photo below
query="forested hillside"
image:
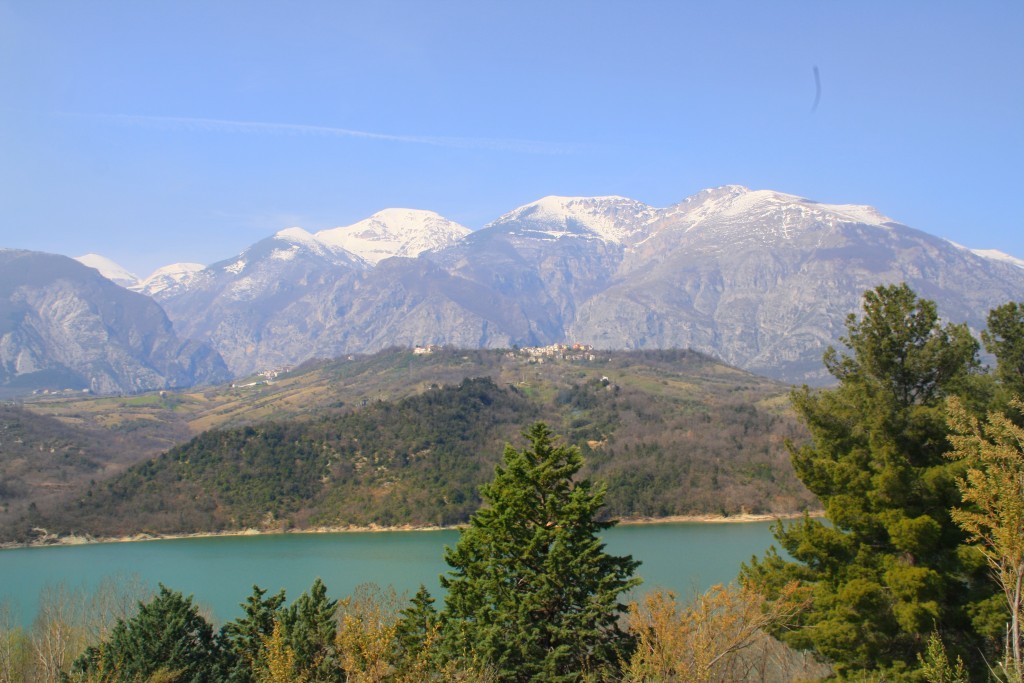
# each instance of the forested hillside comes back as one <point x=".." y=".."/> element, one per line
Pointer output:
<point x="670" y="432"/>
<point x="915" y="576"/>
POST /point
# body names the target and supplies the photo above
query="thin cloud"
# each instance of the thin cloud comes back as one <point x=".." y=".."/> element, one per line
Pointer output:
<point x="266" y="128"/>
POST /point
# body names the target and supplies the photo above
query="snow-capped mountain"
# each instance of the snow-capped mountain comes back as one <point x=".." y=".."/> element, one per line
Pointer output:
<point x="395" y="232"/>
<point x="765" y="280"/>
<point x="616" y="220"/>
<point x="996" y="255"/>
<point x="263" y="305"/>
<point x="736" y="206"/>
<point x="174" y="276"/>
<point x="762" y="279"/>
<point x="109" y="269"/>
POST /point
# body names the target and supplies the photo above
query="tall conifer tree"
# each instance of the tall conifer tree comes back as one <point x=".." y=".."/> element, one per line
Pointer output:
<point x="532" y="595"/>
<point x="309" y="626"/>
<point x="888" y="569"/>
<point x="1004" y="339"/>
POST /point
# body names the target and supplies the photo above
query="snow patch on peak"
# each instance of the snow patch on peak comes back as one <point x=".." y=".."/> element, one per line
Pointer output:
<point x="284" y="254"/>
<point x="996" y="255"/>
<point x="776" y="212"/>
<point x="296" y="234"/>
<point x="716" y="193"/>
<point x="297" y="238"/>
<point x="728" y="190"/>
<point x="176" y="269"/>
<point x="109" y="269"/>
<point x="394" y="232"/>
<point x="860" y="213"/>
<point x="404" y="220"/>
<point x="610" y="218"/>
<point x="171" y="277"/>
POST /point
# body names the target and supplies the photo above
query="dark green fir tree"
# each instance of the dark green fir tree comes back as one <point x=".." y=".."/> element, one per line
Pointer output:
<point x="1004" y="339"/>
<point x="416" y="634"/>
<point x="889" y="568"/>
<point x="242" y="640"/>
<point x="310" y="626"/>
<point x="167" y="640"/>
<point x="532" y="594"/>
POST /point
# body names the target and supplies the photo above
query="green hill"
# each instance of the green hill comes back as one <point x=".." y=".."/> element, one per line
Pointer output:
<point x="400" y="438"/>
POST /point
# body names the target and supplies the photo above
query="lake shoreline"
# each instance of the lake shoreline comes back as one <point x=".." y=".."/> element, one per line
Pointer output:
<point x="47" y="540"/>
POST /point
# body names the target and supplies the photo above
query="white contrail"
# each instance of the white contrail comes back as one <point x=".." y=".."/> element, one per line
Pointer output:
<point x="232" y="126"/>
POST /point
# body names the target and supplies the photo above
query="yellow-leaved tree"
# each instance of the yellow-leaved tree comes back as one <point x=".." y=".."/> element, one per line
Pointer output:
<point x="993" y="515"/>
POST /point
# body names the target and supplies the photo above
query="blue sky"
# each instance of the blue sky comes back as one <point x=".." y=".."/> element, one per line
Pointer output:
<point x="155" y="132"/>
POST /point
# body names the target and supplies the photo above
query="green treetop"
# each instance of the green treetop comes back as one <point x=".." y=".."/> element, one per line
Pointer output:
<point x="1004" y="339"/>
<point x="310" y="626"/>
<point x="532" y="595"/>
<point x="242" y="640"/>
<point x="167" y="640"/>
<point x="889" y="569"/>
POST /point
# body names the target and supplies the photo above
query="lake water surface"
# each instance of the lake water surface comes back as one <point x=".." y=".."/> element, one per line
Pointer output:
<point x="220" y="571"/>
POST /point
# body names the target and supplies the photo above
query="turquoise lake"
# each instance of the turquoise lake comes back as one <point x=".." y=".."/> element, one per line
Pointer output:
<point x="220" y="571"/>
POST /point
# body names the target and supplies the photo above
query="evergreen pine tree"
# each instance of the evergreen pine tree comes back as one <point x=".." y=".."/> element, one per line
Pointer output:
<point x="310" y="627"/>
<point x="167" y="638"/>
<point x="889" y="568"/>
<point x="1004" y="339"/>
<point x="242" y="639"/>
<point x="532" y="595"/>
<point x="415" y="631"/>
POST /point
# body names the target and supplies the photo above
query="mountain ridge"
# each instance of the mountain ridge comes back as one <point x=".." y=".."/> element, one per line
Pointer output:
<point x="861" y="213"/>
<point x="64" y="326"/>
<point x="762" y="279"/>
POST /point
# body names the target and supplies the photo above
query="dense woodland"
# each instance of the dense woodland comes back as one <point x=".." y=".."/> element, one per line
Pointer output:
<point x="916" y="576"/>
<point x="670" y="432"/>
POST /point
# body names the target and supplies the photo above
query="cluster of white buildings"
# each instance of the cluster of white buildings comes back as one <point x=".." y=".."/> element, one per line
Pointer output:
<point x="537" y="354"/>
<point x="425" y="350"/>
<point x="268" y="378"/>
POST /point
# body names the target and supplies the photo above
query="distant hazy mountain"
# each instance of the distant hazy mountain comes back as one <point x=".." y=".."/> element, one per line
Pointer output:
<point x="168" y="278"/>
<point x="268" y="306"/>
<point x="761" y="279"/>
<point x="64" y="326"/>
<point x="109" y="269"/>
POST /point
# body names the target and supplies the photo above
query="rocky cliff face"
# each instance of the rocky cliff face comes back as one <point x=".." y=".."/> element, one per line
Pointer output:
<point x="761" y="279"/>
<point x="63" y="326"/>
<point x="267" y="307"/>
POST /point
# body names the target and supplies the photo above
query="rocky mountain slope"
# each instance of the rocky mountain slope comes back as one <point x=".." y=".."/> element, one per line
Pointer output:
<point x="760" y="279"/>
<point x="63" y="326"/>
<point x="764" y="280"/>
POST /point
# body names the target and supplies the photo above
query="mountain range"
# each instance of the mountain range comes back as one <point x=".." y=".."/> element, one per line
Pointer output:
<point x="64" y="326"/>
<point x="761" y="279"/>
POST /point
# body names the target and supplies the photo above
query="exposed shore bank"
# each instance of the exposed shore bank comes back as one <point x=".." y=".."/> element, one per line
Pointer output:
<point x="47" y="540"/>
